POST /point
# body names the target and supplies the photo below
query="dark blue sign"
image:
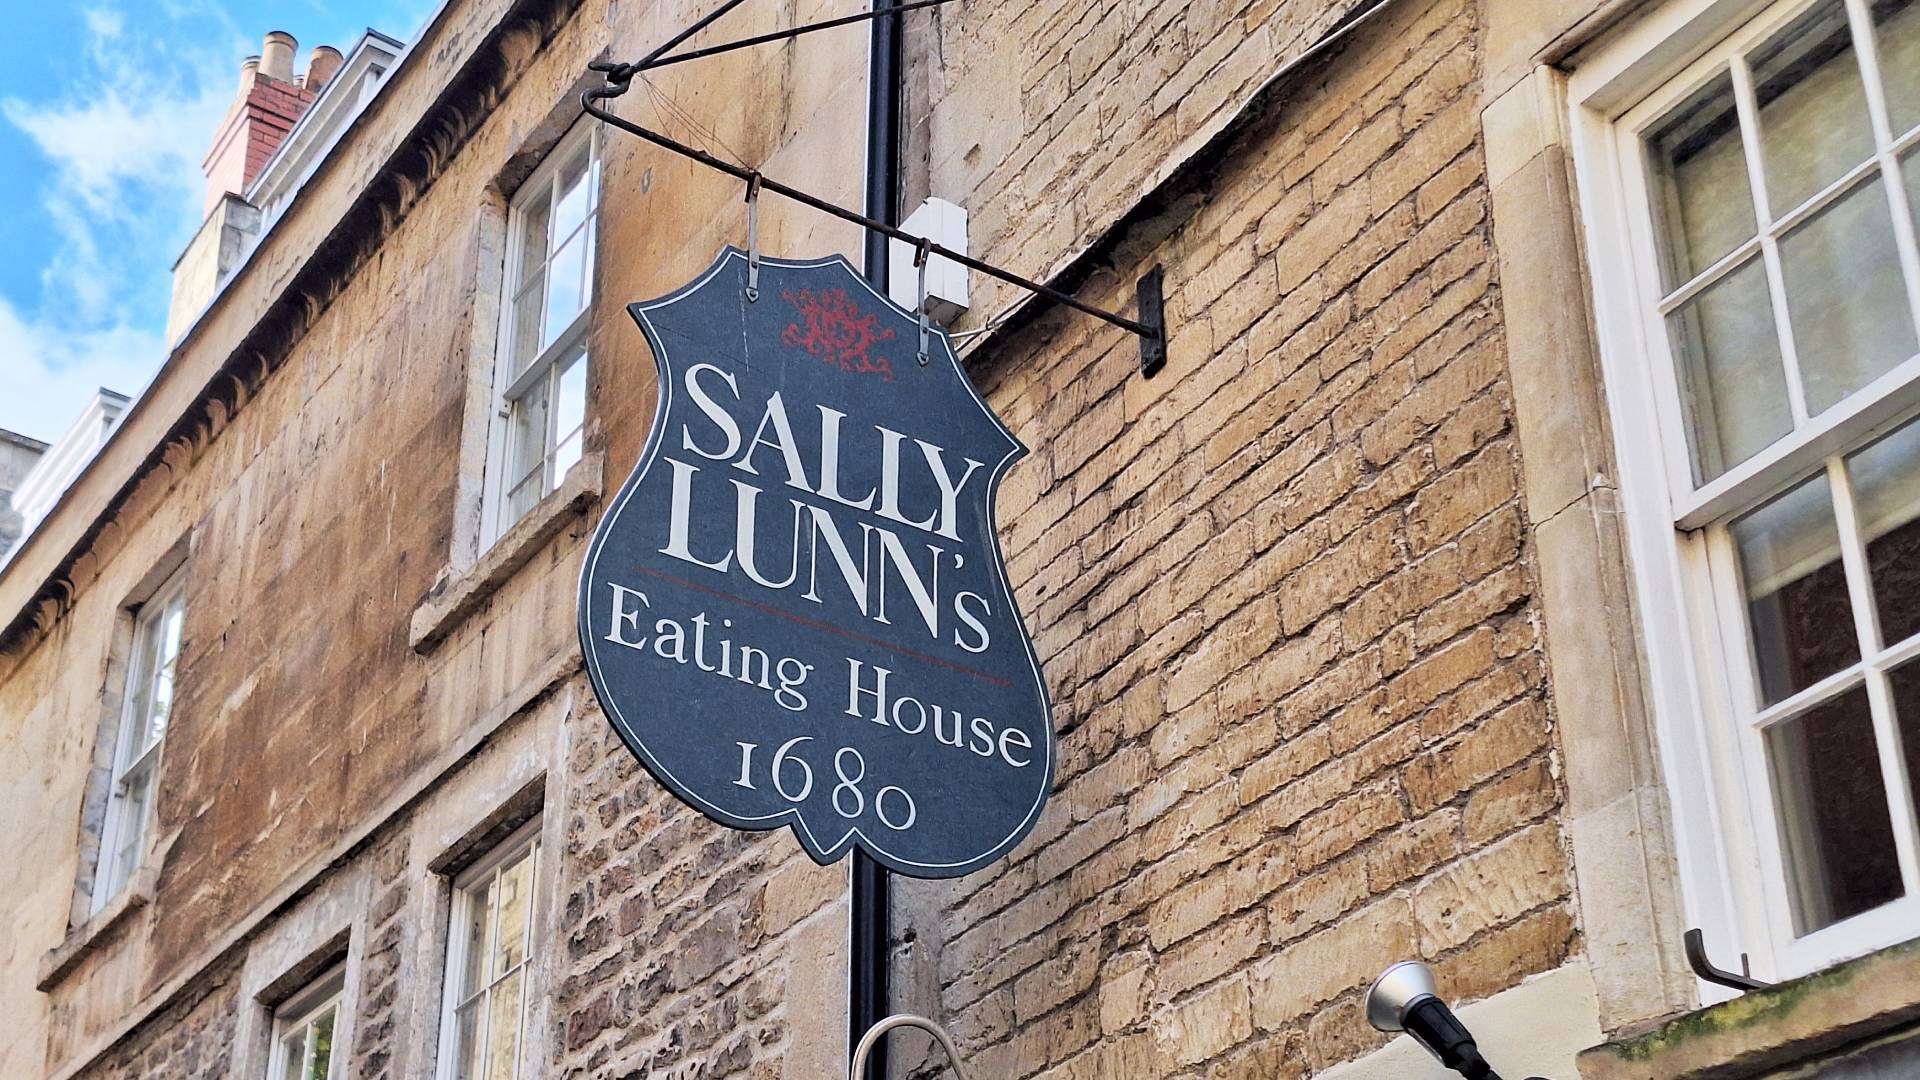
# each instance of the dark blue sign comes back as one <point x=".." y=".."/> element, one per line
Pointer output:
<point x="795" y="611"/>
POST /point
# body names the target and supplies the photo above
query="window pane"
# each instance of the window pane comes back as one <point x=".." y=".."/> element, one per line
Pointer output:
<point x="166" y="631"/>
<point x="533" y="239"/>
<point x="1886" y="492"/>
<point x="1833" y="809"/>
<point x="1897" y="34"/>
<point x="1905" y="681"/>
<point x="133" y="733"/>
<point x="522" y="498"/>
<point x="574" y="194"/>
<point x="293" y="1052"/>
<point x="586" y="269"/>
<point x="565" y="456"/>
<point x="1701" y="196"/>
<point x="479" y="944"/>
<point x="503" y="1030"/>
<point x="172" y="621"/>
<point x="1845" y="296"/>
<point x="132" y="830"/>
<point x="159" y="707"/>
<point x="525" y="344"/>
<point x="1729" y="358"/>
<point x="1910" y="169"/>
<point x="516" y="893"/>
<point x="466" y="1052"/>
<point x="566" y="294"/>
<point x="569" y="407"/>
<point x="527" y="434"/>
<point x="1813" y="108"/>
<point x="1796" y="591"/>
<point x="321" y="1067"/>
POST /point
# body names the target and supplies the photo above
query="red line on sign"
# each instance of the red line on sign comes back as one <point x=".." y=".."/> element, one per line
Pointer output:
<point x="817" y="625"/>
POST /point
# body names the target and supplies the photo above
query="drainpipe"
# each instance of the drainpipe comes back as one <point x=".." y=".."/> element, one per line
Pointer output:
<point x="868" y="1003"/>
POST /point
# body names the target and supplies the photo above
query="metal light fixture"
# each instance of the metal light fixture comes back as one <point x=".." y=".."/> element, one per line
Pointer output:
<point x="1406" y="998"/>
<point x="898" y="1020"/>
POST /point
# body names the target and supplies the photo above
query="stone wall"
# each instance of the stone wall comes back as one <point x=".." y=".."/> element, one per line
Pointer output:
<point x="377" y="1031"/>
<point x="689" y="950"/>
<point x="1050" y="121"/>
<point x="190" y="1040"/>
<point x="1283" y="596"/>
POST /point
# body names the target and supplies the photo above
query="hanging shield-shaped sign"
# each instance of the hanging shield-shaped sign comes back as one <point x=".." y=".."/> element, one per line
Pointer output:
<point x="795" y="611"/>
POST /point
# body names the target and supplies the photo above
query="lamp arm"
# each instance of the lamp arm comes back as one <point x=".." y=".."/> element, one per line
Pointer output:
<point x="899" y="1020"/>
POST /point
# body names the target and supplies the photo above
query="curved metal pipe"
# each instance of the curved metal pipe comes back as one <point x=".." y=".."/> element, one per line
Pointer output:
<point x="899" y="1020"/>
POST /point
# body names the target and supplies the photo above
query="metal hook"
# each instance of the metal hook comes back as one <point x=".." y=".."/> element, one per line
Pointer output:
<point x="898" y="1020"/>
<point x="920" y="254"/>
<point x="1696" y="946"/>
<point x="753" y="237"/>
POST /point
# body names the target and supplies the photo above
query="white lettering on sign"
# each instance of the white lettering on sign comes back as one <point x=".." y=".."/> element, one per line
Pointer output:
<point x="669" y="640"/>
<point x="869" y="699"/>
<point x="871" y="696"/>
<point x="887" y="565"/>
<point x="795" y="611"/>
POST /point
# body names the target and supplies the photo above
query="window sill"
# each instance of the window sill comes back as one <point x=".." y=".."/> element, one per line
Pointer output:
<point x="458" y="597"/>
<point x="82" y="940"/>
<point x="1764" y="1030"/>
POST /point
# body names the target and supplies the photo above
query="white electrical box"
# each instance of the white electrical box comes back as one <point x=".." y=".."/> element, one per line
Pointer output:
<point x="945" y="224"/>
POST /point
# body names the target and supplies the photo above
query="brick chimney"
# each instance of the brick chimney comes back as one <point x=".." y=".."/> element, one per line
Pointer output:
<point x="270" y="101"/>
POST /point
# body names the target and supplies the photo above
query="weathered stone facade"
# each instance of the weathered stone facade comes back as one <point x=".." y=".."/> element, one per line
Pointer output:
<point x="1334" y="609"/>
<point x="1285" y="604"/>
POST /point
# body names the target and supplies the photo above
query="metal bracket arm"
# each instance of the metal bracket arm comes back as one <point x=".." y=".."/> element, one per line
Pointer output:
<point x="657" y="59"/>
<point x="1151" y="328"/>
<point x="1704" y="968"/>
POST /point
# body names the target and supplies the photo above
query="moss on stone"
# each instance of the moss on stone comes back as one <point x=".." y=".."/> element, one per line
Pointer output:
<point x="1750" y="1009"/>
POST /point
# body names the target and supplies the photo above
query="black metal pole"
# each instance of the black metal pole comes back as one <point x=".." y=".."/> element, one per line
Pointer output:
<point x="871" y="894"/>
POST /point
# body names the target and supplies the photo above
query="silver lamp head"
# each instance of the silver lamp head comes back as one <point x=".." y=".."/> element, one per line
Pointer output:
<point x="1396" y="991"/>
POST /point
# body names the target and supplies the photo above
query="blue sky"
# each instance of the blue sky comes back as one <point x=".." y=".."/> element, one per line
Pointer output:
<point x="106" y="109"/>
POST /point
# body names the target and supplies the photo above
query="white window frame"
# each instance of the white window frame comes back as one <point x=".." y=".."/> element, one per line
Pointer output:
<point x="300" y="1011"/>
<point x="122" y="822"/>
<point x="1708" y="723"/>
<point x="525" y="841"/>
<point x="496" y="517"/>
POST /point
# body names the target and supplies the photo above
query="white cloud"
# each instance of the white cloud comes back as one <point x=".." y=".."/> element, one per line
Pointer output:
<point x="124" y="193"/>
<point x="125" y="163"/>
<point x="47" y="374"/>
<point x="123" y="196"/>
<point x="103" y="23"/>
<point x="118" y="137"/>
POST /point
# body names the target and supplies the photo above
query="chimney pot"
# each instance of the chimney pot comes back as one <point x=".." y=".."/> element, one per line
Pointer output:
<point x="322" y="66"/>
<point x="270" y="103"/>
<point x="276" y="57"/>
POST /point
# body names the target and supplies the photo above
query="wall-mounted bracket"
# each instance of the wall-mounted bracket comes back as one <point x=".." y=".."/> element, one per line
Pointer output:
<point x="659" y="58"/>
<point x="1152" y="308"/>
<point x="1696" y="943"/>
<point x="1151" y="327"/>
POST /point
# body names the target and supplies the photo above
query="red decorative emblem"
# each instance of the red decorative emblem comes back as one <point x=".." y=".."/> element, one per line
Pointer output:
<point x="836" y="331"/>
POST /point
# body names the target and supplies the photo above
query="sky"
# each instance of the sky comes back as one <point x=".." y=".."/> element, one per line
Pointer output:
<point x="106" y="109"/>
